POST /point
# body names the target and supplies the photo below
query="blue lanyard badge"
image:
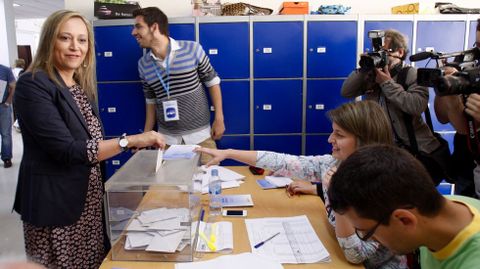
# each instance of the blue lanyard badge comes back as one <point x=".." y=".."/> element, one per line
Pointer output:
<point x="166" y="86"/>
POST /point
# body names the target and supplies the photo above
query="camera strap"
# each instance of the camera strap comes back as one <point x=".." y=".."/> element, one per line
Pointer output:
<point x="472" y="142"/>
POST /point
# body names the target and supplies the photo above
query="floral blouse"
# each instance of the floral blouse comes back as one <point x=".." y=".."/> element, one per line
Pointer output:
<point x="314" y="168"/>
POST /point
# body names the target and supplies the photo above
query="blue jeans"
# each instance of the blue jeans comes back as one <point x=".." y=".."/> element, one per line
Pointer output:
<point x="6" y="131"/>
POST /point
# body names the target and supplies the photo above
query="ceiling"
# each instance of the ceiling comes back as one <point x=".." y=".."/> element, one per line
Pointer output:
<point x="34" y="9"/>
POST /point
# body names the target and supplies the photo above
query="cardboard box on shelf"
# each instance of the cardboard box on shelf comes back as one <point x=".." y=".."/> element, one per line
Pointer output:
<point x="406" y="9"/>
<point x="290" y="8"/>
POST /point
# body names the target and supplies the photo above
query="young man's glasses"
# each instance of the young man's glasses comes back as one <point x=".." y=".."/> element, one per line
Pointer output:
<point x="365" y="235"/>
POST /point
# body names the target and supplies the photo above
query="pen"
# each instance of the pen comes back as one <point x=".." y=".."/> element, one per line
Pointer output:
<point x="266" y="240"/>
<point x="202" y="213"/>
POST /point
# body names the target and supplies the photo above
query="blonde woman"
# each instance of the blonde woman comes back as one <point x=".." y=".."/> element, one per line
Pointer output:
<point x="60" y="187"/>
<point x="354" y="125"/>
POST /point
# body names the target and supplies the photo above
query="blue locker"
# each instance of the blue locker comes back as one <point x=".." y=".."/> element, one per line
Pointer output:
<point x="122" y="108"/>
<point x="227" y="46"/>
<point x="449" y="137"/>
<point x="117" y="53"/>
<point x="278" y="49"/>
<point x="278" y="106"/>
<point x="437" y="126"/>
<point x="473" y="34"/>
<point x="442" y="36"/>
<point x="331" y="52"/>
<point x="236" y="106"/>
<point x="322" y="96"/>
<point x="317" y="145"/>
<point x="182" y="31"/>
<point x="291" y="144"/>
<point x="114" y="163"/>
<point x="233" y="142"/>
<point x="404" y="27"/>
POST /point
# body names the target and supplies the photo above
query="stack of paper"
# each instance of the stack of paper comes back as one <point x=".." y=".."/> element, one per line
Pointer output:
<point x="239" y="261"/>
<point x="229" y="178"/>
<point x="271" y="182"/>
<point x="158" y="230"/>
<point x="215" y="237"/>
<point x="296" y="242"/>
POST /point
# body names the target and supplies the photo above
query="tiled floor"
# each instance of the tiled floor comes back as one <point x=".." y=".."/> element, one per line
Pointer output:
<point x="11" y="232"/>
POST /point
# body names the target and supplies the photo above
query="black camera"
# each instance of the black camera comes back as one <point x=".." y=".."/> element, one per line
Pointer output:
<point x="465" y="81"/>
<point x="379" y="57"/>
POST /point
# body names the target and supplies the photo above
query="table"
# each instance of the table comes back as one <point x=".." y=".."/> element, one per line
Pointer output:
<point x="267" y="203"/>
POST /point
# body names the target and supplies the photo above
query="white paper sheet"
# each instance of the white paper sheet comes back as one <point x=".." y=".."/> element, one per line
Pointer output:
<point x="224" y="174"/>
<point x="279" y="181"/>
<point x="296" y="243"/>
<point x="168" y="243"/>
<point x="159" y="160"/>
<point x="239" y="261"/>
<point x="139" y="239"/>
<point x="236" y="200"/>
<point x="175" y="152"/>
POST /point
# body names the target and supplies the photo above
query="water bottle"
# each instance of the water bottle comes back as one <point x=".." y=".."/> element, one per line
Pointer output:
<point x="215" y="190"/>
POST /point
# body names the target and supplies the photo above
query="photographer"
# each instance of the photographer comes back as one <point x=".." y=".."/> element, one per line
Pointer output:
<point x="394" y="87"/>
<point x="451" y="109"/>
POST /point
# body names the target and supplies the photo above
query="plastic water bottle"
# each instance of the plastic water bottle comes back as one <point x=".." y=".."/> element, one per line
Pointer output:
<point x="215" y="190"/>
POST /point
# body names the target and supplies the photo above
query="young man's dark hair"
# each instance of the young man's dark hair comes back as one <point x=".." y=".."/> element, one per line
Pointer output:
<point x="376" y="180"/>
<point x="153" y="15"/>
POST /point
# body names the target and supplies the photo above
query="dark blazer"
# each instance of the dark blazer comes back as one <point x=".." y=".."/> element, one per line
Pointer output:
<point x="54" y="172"/>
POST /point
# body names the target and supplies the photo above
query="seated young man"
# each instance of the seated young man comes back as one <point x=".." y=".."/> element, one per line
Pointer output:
<point x="387" y="195"/>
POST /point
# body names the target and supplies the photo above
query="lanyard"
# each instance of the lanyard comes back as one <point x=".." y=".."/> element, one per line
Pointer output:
<point x="166" y="86"/>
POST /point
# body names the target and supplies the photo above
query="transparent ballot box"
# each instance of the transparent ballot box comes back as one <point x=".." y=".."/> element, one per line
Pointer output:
<point x="153" y="215"/>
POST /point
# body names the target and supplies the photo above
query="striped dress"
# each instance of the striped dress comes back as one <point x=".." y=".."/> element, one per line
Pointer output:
<point x="190" y="68"/>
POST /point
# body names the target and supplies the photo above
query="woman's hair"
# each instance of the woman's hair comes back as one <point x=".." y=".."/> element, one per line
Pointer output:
<point x="397" y="41"/>
<point x="366" y="120"/>
<point x="44" y="59"/>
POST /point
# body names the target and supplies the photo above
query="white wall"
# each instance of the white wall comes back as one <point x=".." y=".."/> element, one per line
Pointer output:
<point x="28" y="33"/>
<point x="182" y="8"/>
<point x="8" y="47"/>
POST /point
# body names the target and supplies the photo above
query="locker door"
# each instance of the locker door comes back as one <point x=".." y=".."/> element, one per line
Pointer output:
<point x="291" y="144"/>
<point x="322" y="96"/>
<point x="441" y="36"/>
<point x="117" y="53"/>
<point x="278" y="49"/>
<point x="227" y="46"/>
<point x="331" y="48"/>
<point x="404" y="27"/>
<point x="236" y="106"/>
<point x="114" y="163"/>
<point x="233" y="142"/>
<point x="122" y="108"/>
<point x="182" y="31"/>
<point x="473" y="34"/>
<point x="278" y="106"/>
<point x="317" y="145"/>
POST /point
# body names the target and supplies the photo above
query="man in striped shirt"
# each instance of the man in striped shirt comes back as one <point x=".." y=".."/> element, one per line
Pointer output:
<point x="174" y="74"/>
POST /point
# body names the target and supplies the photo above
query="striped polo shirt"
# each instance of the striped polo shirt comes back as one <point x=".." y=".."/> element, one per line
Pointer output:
<point x="189" y="70"/>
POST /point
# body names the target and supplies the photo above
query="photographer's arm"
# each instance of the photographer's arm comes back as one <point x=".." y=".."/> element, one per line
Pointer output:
<point x="450" y="109"/>
<point x="354" y="85"/>
<point x="413" y="100"/>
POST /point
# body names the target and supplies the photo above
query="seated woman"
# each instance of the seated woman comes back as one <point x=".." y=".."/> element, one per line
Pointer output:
<point x="354" y="125"/>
